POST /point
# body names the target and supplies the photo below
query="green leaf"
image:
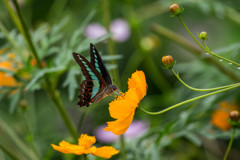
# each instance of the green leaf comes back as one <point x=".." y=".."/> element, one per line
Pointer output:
<point x="15" y="98"/>
<point x="193" y="138"/>
<point x="7" y="71"/>
<point x="85" y="43"/>
<point x="75" y="37"/>
<point x="22" y="148"/>
<point x="71" y="82"/>
<point x="56" y="29"/>
<point x="41" y="74"/>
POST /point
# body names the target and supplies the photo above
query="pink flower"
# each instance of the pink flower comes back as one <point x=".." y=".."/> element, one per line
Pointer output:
<point x="136" y="129"/>
<point x="94" y="31"/>
<point x="120" y="30"/>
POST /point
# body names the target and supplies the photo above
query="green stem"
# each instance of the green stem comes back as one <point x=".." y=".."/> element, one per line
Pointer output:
<point x="230" y="144"/>
<point x="32" y="141"/>
<point x="12" y="155"/>
<point x="201" y="90"/>
<point x="107" y="19"/>
<point x="188" y="101"/>
<point x="16" y="145"/>
<point x="191" y="34"/>
<point x="13" y="15"/>
<point x="53" y="94"/>
<point x="123" y="149"/>
<point x="51" y="91"/>
<point x="205" y="45"/>
<point x="81" y="120"/>
<point x="175" y="37"/>
<point x="26" y="34"/>
<point x="206" y="49"/>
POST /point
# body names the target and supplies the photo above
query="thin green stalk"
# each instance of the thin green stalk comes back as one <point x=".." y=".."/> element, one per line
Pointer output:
<point x="205" y="49"/>
<point x="123" y="149"/>
<point x="205" y="45"/>
<point x="106" y="19"/>
<point x="13" y="15"/>
<point x="51" y="91"/>
<point x="201" y="90"/>
<point x="26" y="34"/>
<point x="230" y="144"/>
<point x="2" y="155"/>
<point x="191" y="34"/>
<point x="57" y="101"/>
<point x="188" y="101"/>
<point x="175" y="37"/>
<point x="5" y="150"/>
<point x="81" y="120"/>
<point x="33" y="145"/>
<point x="15" y="143"/>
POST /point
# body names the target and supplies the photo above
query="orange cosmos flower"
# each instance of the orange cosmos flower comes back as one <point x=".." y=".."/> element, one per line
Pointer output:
<point x="221" y="115"/>
<point x="123" y="108"/>
<point x="9" y="64"/>
<point x="84" y="147"/>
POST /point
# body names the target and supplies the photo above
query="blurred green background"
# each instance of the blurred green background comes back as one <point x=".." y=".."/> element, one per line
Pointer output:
<point x="29" y="119"/>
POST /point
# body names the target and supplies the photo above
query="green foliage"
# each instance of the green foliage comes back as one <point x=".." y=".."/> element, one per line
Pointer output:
<point x="40" y="108"/>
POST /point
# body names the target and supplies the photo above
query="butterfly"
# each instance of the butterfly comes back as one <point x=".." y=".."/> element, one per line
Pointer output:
<point x="97" y="84"/>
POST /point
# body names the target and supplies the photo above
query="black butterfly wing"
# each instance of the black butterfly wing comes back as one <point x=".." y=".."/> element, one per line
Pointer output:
<point x="87" y="88"/>
<point x="97" y="63"/>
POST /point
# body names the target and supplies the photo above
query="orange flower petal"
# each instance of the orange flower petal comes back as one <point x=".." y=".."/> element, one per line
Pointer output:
<point x="219" y="120"/>
<point x="60" y="149"/>
<point x="132" y="97"/>
<point x="83" y="147"/>
<point x="123" y="108"/>
<point x="119" y="109"/>
<point x="105" y="152"/>
<point x="220" y="116"/>
<point x="5" y="79"/>
<point x="86" y="141"/>
<point x="120" y="125"/>
<point x="66" y="147"/>
<point x="138" y="81"/>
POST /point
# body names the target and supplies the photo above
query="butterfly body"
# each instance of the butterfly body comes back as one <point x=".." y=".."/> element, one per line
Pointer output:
<point x="98" y="83"/>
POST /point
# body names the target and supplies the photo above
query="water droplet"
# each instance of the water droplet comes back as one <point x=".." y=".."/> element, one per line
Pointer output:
<point x="238" y="67"/>
<point x="220" y="60"/>
<point x="207" y="53"/>
<point x="230" y="63"/>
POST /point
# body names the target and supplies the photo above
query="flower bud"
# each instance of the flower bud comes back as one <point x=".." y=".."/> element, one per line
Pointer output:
<point x="168" y="61"/>
<point x="203" y="35"/>
<point x="150" y="42"/>
<point x="175" y="9"/>
<point x="234" y="115"/>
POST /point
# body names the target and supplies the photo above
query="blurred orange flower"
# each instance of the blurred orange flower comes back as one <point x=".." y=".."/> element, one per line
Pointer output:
<point x="84" y="147"/>
<point x="221" y="115"/>
<point x="6" y="79"/>
<point x="123" y="108"/>
<point x="34" y="63"/>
